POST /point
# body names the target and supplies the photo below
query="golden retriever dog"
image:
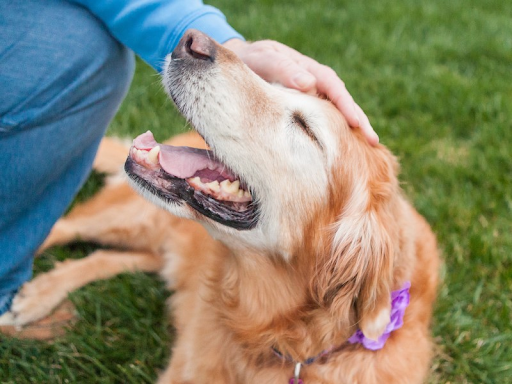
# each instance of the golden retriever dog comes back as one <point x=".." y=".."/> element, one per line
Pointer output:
<point x="293" y="254"/>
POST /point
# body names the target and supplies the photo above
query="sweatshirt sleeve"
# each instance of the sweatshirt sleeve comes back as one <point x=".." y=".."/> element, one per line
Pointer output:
<point x="152" y="28"/>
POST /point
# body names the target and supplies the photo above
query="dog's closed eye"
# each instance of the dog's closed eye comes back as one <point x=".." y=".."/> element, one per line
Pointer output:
<point x="299" y="120"/>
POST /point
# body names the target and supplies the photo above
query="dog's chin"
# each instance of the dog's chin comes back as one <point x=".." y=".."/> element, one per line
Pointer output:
<point x="211" y="193"/>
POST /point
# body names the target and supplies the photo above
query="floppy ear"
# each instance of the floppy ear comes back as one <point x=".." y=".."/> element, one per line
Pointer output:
<point x="359" y="270"/>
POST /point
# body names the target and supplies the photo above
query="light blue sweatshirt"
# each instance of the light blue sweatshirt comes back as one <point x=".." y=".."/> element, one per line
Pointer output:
<point x="152" y="28"/>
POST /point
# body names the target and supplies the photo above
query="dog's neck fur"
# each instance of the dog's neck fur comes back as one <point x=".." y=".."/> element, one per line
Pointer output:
<point x="325" y="291"/>
<point x="274" y="309"/>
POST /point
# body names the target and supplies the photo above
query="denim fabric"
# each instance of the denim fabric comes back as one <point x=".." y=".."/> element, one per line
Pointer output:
<point x="62" y="78"/>
<point x="6" y="301"/>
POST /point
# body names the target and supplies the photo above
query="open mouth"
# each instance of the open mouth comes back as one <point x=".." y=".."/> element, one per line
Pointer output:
<point x="195" y="176"/>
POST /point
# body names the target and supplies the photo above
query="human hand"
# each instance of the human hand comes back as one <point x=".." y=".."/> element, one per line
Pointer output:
<point x="276" y="62"/>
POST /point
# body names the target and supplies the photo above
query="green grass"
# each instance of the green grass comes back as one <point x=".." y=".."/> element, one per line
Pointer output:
<point x="435" y="79"/>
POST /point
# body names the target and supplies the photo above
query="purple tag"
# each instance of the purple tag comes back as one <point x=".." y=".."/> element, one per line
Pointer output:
<point x="293" y="381"/>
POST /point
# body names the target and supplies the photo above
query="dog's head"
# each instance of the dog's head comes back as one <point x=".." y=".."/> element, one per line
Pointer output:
<point x="285" y="175"/>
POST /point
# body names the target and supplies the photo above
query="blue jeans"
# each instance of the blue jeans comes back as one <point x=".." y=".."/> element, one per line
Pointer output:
<point x="62" y="79"/>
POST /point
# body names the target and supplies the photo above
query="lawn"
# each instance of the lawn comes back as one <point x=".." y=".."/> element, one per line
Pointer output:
<point x="435" y="78"/>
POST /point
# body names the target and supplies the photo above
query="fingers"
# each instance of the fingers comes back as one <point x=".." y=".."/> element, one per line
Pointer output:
<point x="369" y="133"/>
<point x="276" y="62"/>
<point x="291" y="74"/>
<point x="329" y="84"/>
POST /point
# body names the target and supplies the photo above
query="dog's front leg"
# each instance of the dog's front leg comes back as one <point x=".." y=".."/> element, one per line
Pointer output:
<point x="204" y="351"/>
<point x="40" y="296"/>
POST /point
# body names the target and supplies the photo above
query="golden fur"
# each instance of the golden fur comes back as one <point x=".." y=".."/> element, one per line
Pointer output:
<point x="233" y="303"/>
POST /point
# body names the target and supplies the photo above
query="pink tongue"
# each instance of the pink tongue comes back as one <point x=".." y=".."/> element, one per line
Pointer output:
<point x="182" y="162"/>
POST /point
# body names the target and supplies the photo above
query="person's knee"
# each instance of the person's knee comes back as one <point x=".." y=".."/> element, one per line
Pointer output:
<point x="63" y="62"/>
<point x="105" y="65"/>
<point x="98" y="69"/>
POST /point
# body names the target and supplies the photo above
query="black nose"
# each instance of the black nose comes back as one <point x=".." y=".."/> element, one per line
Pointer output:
<point x="197" y="45"/>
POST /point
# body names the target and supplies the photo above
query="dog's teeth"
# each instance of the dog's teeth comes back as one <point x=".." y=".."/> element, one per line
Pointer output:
<point x="153" y="155"/>
<point x="195" y="180"/>
<point x="225" y="184"/>
<point x="226" y="187"/>
<point x="230" y="187"/>
<point x="235" y="185"/>
<point x="214" y="186"/>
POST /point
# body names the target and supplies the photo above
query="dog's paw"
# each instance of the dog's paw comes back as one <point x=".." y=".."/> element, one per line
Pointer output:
<point x="36" y="299"/>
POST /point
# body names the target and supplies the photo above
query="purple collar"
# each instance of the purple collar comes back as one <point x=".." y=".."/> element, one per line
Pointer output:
<point x="399" y="302"/>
